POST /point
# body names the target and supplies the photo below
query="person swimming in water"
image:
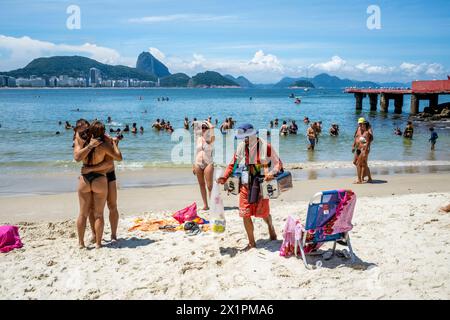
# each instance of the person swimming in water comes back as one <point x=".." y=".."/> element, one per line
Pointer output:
<point x="134" y="128"/>
<point x="293" y="128"/>
<point x="409" y="130"/>
<point x="127" y="128"/>
<point x="157" y="125"/>
<point x="284" y="130"/>
<point x="68" y="126"/>
<point x="334" y="130"/>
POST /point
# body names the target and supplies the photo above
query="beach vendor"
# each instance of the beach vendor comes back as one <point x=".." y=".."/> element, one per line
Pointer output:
<point x="258" y="161"/>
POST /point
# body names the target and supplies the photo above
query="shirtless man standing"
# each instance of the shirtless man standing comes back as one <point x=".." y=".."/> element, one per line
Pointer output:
<point x="311" y="134"/>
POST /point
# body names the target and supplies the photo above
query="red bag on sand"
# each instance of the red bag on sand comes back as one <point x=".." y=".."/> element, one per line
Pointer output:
<point x="186" y="214"/>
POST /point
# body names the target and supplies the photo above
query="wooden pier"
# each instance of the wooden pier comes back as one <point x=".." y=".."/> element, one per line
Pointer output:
<point x="421" y="90"/>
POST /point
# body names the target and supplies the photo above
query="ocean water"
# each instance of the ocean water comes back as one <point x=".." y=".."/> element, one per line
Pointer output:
<point x="29" y="119"/>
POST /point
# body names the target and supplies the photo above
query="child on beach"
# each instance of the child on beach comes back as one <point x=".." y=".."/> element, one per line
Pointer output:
<point x="433" y="138"/>
<point x="361" y="159"/>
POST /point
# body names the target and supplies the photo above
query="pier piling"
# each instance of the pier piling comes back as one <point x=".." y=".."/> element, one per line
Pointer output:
<point x="373" y="98"/>
<point x="358" y="100"/>
<point x="384" y="102"/>
<point x="414" y="104"/>
<point x="398" y="103"/>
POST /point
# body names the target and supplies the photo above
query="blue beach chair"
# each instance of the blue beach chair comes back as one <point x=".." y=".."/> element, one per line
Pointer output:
<point x="328" y="219"/>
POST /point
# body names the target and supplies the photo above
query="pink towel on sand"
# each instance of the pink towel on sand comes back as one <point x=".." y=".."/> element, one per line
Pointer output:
<point x="9" y="238"/>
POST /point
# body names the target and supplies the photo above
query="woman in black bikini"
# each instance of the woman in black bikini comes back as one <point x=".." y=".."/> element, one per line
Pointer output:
<point x="93" y="186"/>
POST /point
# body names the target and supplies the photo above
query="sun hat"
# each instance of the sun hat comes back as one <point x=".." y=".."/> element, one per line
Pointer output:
<point x="245" y="130"/>
<point x="361" y="120"/>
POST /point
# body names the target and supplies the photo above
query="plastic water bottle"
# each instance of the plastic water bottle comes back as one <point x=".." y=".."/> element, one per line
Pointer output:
<point x="217" y="218"/>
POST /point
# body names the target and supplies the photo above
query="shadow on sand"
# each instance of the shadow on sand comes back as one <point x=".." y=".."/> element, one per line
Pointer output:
<point x="131" y="243"/>
<point x="317" y="261"/>
<point x="231" y="208"/>
<point x="374" y="181"/>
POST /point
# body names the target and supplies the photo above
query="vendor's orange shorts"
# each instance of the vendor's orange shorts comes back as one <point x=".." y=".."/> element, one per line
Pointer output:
<point x="259" y="210"/>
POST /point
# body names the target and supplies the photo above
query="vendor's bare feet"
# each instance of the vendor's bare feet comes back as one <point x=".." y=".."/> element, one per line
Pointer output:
<point x="249" y="247"/>
<point x="273" y="235"/>
<point x="357" y="182"/>
<point x="98" y="246"/>
<point x="81" y="246"/>
<point x="92" y="239"/>
<point x="369" y="181"/>
<point x="205" y="208"/>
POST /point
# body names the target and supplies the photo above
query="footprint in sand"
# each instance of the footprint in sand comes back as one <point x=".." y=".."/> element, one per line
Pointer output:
<point x="281" y="272"/>
<point x="192" y="266"/>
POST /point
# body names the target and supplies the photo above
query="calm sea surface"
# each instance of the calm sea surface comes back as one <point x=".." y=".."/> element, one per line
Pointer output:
<point x="29" y="120"/>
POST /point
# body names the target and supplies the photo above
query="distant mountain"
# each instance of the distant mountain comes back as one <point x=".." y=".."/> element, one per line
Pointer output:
<point x="302" y="84"/>
<point x="175" y="80"/>
<point x="211" y="79"/>
<point x="241" y="80"/>
<point x="324" y="80"/>
<point x="76" y="66"/>
<point x="286" y="82"/>
<point x="146" y="62"/>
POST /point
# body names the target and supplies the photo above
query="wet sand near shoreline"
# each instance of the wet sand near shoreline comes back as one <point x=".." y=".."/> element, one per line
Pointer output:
<point x="134" y="201"/>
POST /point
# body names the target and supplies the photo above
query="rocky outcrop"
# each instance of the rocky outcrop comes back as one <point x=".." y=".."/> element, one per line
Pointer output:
<point x="438" y="113"/>
<point x="146" y="62"/>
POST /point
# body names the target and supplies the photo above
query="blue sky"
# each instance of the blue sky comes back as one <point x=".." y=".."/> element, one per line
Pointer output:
<point x="263" y="40"/>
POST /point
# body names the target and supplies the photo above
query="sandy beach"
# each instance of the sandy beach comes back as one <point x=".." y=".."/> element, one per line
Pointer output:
<point x="400" y="238"/>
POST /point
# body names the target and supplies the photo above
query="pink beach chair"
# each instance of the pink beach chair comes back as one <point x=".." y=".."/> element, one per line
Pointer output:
<point x="328" y="219"/>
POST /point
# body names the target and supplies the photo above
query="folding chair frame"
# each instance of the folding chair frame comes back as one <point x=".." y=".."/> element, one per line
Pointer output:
<point x="303" y="243"/>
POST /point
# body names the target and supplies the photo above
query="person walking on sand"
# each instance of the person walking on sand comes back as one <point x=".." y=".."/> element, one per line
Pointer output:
<point x="311" y="135"/>
<point x="203" y="167"/>
<point x="259" y="161"/>
<point x="93" y="185"/>
<point x="433" y="138"/>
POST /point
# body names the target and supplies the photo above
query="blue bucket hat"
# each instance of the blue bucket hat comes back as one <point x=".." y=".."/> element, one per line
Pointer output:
<point x="245" y="130"/>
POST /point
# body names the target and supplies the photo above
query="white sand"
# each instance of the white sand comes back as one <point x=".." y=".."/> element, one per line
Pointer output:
<point x="401" y="243"/>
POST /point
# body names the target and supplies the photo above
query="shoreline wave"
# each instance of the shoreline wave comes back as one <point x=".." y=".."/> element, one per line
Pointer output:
<point x="140" y="165"/>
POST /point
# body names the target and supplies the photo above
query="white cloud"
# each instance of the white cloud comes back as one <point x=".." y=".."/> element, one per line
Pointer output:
<point x="22" y="50"/>
<point x="335" y="64"/>
<point x="363" y="70"/>
<point x="265" y="62"/>
<point x="261" y="67"/>
<point x="157" y="54"/>
<point x="180" y="17"/>
<point x="430" y="69"/>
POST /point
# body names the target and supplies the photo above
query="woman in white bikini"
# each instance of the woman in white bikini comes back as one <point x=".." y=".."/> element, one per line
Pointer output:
<point x="203" y="166"/>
